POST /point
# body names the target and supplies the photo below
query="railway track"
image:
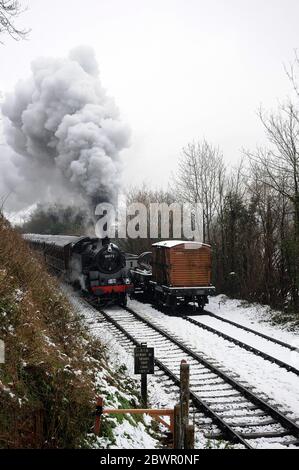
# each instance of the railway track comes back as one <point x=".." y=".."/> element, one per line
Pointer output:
<point x="251" y="330"/>
<point x="248" y="347"/>
<point x="224" y="407"/>
<point x="268" y="357"/>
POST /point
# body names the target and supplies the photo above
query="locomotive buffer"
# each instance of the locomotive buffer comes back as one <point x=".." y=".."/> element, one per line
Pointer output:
<point x="144" y="364"/>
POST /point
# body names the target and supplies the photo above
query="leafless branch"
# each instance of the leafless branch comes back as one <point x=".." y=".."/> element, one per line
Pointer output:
<point x="9" y="11"/>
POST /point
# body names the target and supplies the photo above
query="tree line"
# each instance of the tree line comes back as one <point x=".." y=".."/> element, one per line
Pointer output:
<point x="250" y="213"/>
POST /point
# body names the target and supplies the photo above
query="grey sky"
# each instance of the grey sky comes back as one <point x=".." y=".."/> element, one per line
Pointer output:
<point x="178" y="69"/>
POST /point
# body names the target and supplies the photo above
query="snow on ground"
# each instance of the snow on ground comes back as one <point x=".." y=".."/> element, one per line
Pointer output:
<point x="278" y="384"/>
<point x="279" y="352"/>
<point x="126" y="435"/>
<point x="160" y="392"/>
<point x="255" y="316"/>
<point x="275" y="382"/>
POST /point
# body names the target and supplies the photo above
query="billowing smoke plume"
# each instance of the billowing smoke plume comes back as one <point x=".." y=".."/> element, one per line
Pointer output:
<point x="65" y="134"/>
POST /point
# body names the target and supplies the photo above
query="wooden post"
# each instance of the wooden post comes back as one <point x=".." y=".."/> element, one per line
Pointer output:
<point x="144" y="363"/>
<point x="171" y="424"/>
<point x="98" y="414"/>
<point x="177" y="426"/>
<point x="189" y="437"/>
<point x="184" y="400"/>
<point x="144" y="390"/>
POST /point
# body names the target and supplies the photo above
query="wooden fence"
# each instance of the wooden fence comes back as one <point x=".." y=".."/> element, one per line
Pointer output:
<point x="181" y="430"/>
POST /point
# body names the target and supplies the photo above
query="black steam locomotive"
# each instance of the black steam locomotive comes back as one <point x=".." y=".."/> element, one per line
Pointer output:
<point x="96" y="266"/>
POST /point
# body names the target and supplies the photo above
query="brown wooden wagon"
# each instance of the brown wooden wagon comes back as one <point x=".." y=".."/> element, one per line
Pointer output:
<point x="181" y="273"/>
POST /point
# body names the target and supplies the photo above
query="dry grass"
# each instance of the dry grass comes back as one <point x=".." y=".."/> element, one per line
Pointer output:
<point x="46" y="383"/>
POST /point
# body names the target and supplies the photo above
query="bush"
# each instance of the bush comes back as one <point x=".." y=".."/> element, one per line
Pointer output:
<point x="46" y="383"/>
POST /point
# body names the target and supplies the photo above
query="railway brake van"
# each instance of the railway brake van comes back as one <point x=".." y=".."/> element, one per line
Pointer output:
<point x="180" y="273"/>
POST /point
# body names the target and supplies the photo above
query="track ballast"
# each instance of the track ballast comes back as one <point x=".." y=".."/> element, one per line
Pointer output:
<point x="224" y="407"/>
<point x="244" y="345"/>
<point x="187" y="314"/>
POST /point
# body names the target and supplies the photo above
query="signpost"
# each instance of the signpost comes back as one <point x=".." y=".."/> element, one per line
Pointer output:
<point x="144" y="364"/>
<point x="181" y="431"/>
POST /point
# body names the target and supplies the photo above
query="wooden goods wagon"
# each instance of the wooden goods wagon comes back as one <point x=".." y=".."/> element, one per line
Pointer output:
<point x="174" y="274"/>
<point x="181" y="264"/>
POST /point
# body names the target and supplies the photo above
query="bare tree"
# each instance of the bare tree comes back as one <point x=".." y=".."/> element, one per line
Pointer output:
<point x="200" y="178"/>
<point x="280" y="163"/>
<point x="146" y="196"/>
<point x="9" y="10"/>
<point x="278" y="168"/>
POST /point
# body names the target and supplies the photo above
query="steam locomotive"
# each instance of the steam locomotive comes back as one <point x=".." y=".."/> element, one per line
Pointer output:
<point x="96" y="266"/>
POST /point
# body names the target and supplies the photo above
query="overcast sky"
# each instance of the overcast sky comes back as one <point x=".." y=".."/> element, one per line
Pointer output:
<point x="178" y="69"/>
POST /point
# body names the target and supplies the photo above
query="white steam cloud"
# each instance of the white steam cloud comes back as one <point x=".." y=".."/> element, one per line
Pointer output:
<point x="64" y="135"/>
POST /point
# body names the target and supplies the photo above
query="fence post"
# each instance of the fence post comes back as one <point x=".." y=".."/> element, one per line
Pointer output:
<point x="98" y="414"/>
<point x="184" y="400"/>
<point x="144" y="390"/>
<point x="177" y="426"/>
<point x="189" y="436"/>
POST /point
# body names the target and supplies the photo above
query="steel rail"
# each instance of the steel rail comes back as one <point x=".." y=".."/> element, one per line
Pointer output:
<point x="226" y="428"/>
<point x="243" y="345"/>
<point x="228" y="431"/>
<point x="201" y="405"/>
<point x="230" y="322"/>
<point x="251" y="330"/>
<point x="262" y="404"/>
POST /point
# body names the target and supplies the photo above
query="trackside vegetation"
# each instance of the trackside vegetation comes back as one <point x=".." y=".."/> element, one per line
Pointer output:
<point x="53" y="368"/>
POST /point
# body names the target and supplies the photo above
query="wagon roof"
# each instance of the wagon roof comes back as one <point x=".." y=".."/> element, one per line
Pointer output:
<point x="172" y="243"/>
